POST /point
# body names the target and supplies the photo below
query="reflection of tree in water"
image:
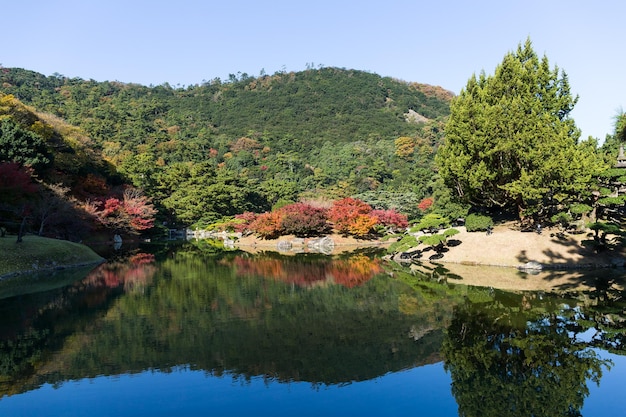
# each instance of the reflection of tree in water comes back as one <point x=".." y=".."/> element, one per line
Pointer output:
<point x="517" y="360"/>
<point x="349" y="272"/>
<point x="33" y="325"/>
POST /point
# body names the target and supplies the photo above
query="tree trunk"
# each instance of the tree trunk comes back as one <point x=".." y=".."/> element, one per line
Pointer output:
<point x="20" y="234"/>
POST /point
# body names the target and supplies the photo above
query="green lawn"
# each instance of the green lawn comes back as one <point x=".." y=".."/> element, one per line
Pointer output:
<point x="37" y="253"/>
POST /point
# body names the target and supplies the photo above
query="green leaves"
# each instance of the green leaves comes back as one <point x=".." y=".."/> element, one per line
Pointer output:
<point x="510" y="142"/>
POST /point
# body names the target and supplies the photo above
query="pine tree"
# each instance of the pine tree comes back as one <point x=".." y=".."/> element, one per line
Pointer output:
<point x="510" y="142"/>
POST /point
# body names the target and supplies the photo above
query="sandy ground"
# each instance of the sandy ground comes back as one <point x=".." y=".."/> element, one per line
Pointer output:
<point x="342" y="244"/>
<point x="493" y="260"/>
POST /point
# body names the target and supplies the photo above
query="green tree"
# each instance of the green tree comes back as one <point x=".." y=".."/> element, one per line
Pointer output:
<point x="510" y="142"/>
<point x="22" y="146"/>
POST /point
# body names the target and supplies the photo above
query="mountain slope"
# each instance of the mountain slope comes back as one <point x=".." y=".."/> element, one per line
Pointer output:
<point x="326" y="132"/>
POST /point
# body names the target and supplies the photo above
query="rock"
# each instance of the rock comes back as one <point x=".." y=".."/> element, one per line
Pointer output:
<point x="283" y="245"/>
<point x="531" y="266"/>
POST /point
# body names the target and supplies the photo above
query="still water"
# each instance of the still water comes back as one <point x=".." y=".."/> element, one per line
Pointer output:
<point x="192" y="330"/>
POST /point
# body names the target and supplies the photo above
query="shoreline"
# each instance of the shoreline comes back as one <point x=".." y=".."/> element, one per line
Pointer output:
<point x="506" y="259"/>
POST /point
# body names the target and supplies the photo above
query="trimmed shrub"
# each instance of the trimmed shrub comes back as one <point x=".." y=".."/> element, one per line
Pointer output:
<point x="430" y="222"/>
<point x="406" y="243"/>
<point x="478" y="222"/>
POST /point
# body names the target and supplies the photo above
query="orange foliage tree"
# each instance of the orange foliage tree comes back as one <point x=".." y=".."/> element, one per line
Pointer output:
<point x="351" y="216"/>
<point x="267" y="225"/>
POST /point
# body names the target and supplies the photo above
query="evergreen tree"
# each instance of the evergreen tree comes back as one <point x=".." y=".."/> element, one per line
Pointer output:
<point x="22" y="146"/>
<point x="510" y="142"/>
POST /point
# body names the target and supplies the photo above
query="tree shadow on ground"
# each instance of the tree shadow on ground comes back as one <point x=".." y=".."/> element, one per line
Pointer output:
<point x="577" y="265"/>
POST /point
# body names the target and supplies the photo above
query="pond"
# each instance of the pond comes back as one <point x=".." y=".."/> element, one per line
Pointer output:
<point x="192" y="330"/>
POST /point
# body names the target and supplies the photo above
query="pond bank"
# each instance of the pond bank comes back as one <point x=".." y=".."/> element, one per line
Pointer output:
<point x="498" y="260"/>
<point x="36" y="254"/>
<point x="513" y="260"/>
<point x="331" y="244"/>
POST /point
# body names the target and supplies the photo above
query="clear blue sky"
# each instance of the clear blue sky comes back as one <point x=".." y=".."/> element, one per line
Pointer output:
<point x="439" y="42"/>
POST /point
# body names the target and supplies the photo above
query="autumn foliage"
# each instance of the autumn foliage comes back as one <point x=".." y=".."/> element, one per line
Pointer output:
<point x="15" y="181"/>
<point x="351" y="217"/>
<point x="348" y="216"/>
<point x="304" y="220"/>
<point x="425" y="204"/>
<point x="350" y="272"/>
<point x="132" y="213"/>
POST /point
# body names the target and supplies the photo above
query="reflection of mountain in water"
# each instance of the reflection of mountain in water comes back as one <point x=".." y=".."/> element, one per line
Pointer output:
<point x="326" y="320"/>
<point x="226" y="314"/>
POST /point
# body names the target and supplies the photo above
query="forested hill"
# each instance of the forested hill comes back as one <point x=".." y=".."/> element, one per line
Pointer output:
<point x="223" y="147"/>
<point x="314" y="105"/>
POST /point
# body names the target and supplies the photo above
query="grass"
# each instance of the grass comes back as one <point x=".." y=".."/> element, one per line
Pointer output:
<point x="36" y="253"/>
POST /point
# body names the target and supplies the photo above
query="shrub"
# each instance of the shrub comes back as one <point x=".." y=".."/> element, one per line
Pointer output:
<point x="478" y="222"/>
<point x="362" y="225"/>
<point x="304" y="220"/>
<point x="430" y="222"/>
<point x="563" y="218"/>
<point x="580" y="208"/>
<point x="425" y="204"/>
<point x="345" y="213"/>
<point x="267" y="225"/>
<point x="391" y="219"/>
<point x="406" y="243"/>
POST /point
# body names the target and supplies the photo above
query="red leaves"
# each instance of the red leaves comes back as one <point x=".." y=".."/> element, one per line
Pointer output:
<point x="304" y="220"/>
<point x="267" y="225"/>
<point x="352" y="217"/>
<point x="425" y="204"/>
<point x="391" y="219"/>
<point x="134" y="213"/>
<point x="15" y="181"/>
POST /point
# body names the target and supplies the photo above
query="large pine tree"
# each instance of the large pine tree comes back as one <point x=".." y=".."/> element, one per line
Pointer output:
<point x="510" y="142"/>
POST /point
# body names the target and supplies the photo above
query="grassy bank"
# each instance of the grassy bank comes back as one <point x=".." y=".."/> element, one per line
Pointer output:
<point x="36" y="253"/>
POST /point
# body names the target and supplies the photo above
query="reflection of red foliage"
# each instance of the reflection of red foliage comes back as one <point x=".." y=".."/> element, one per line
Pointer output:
<point x="142" y="258"/>
<point x="135" y="272"/>
<point x="347" y="272"/>
<point x="355" y="270"/>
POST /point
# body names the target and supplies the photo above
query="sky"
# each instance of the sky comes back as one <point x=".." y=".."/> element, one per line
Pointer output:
<point x="437" y="42"/>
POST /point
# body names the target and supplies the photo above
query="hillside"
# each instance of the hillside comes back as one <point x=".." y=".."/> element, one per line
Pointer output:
<point x="224" y="147"/>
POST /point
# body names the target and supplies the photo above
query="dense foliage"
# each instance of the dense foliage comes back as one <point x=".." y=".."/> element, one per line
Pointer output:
<point x="511" y="144"/>
<point x="347" y="216"/>
<point x="221" y="148"/>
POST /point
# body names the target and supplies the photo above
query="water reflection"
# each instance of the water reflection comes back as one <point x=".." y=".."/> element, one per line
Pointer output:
<point x="519" y="357"/>
<point x="321" y="320"/>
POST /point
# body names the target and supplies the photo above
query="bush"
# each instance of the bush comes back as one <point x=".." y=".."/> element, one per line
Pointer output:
<point x="430" y="222"/>
<point x="406" y="243"/>
<point x="478" y="222"/>
<point x="562" y="219"/>
<point x="304" y="220"/>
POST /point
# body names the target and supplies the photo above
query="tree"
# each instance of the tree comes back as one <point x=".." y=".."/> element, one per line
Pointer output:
<point x="391" y="220"/>
<point x="53" y="202"/>
<point x="506" y="360"/>
<point x="351" y="216"/>
<point x="133" y="213"/>
<point x="510" y="143"/>
<point x="22" y="146"/>
<point x="16" y="188"/>
<point x="304" y="220"/>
